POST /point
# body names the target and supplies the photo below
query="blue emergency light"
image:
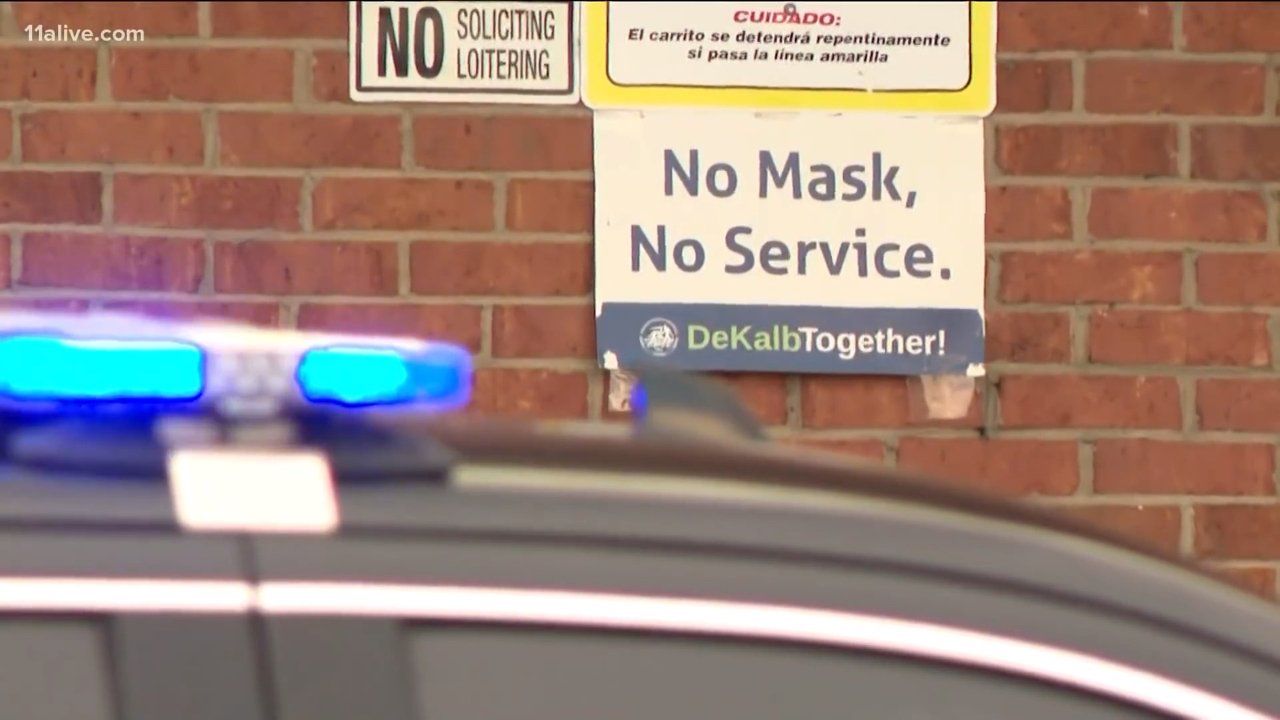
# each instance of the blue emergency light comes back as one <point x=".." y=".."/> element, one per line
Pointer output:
<point x="357" y="376"/>
<point x="43" y="368"/>
<point x="35" y="368"/>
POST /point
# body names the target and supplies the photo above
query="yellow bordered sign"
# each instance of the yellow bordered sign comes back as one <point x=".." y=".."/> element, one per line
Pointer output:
<point x="918" y="58"/>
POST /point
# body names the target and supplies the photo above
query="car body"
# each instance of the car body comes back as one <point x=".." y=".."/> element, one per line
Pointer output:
<point x="520" y="571"/>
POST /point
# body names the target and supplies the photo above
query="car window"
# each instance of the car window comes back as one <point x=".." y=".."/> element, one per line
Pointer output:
<point x="54" y="670"/>
<point x="493" y="673"/>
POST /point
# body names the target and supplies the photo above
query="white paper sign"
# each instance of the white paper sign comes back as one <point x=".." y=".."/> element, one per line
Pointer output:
<point x="464" y="52"/>
<point x="790" y="242"/>
<point x="219" y="490"/>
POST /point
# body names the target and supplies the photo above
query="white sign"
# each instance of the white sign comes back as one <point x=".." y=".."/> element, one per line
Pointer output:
<point x="934" y="57"/>
<point x="221" y="490"/>
<point x="464" y="52"/>
<point x="790" y="242"/>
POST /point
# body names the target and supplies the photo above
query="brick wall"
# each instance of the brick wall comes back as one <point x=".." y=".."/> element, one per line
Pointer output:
<point x="1133" y="223"/>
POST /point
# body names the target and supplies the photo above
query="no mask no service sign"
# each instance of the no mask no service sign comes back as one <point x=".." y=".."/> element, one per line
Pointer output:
<point x="789" y="242"/>
<point x="464" y="52"/>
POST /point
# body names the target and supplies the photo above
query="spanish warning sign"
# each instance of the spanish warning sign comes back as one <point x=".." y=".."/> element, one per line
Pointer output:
<point x="464" y="52"/>
<point x="908" y="57"/>
<point x="789" y="242"/>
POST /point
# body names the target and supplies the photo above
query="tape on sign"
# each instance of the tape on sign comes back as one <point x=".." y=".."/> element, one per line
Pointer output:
<point x="946" y="397"/>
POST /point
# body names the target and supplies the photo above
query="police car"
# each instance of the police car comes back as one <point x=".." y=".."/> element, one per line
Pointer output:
<point x="210" y="522"/>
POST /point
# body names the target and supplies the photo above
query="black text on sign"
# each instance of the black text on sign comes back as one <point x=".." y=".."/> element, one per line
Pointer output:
<point x="454" y="52"/>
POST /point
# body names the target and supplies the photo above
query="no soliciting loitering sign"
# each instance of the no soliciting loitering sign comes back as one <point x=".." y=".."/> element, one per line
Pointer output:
<point x="464" y="52"/>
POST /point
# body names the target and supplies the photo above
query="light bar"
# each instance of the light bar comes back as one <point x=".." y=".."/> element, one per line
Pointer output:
<point x="438" y="376"/>
<point x="639" y="400"/>
<point x="49" y="368"/>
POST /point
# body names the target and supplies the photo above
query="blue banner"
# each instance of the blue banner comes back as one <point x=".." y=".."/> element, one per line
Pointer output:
<point x="790" y="339"/>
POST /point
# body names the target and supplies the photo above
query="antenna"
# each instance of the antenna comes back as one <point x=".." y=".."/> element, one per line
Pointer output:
<point x="682" y="406"/>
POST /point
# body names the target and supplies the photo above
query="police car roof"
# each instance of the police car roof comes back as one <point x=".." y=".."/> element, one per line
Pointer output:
<point x="599" y="459"/>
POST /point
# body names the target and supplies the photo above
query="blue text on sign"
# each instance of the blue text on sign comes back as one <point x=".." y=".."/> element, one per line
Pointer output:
<point x="778" y="174"/>
<point x="857" y="258"/>
<point x="875" y="181"/>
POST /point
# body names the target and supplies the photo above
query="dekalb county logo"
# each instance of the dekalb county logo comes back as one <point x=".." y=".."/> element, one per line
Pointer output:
<point x="659" y="337"/>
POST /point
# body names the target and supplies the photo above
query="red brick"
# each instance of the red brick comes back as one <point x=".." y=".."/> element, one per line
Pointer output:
<point x="6" y="136"/>
<point x="502" y="142"/>
<point x="109" y="136"/>
<point x="449" y="323"/>
<point x="403" y="204"/>
<point x="1260" y="581"/>
<point x="48" y="74"/>
<point x="1231" y="26"/>
<point x="1238" y="532"/>
<point x="1240" y="404"/>
<point x="764" y="396"/>
<point x="1183" y="468"/>
<point x="305" y="267"/>
<point x="156" y="19"/>
<point x="1004" y="467"/>
<point x="330" y="80"/>
<point x="308" y="141"/>
<point x="44" y="302"/>
<point x="862" y="450"/>
<point x="1135" y="86"/>
<point x="1141" y="337"/>
<point x="1063" y="26"/>
<point x="1030" y="337"/>
<point x="1091" y="277"/>
<point x="203" y="74"/>
<point x="1119" y="150"/>
<point x="500" y="268"/>
<point x="1158" y="528"/>
<point x="1236" y="152"/>
<point x="1028" y="86"/>
<point x="312" y="19"/>
<point x="256" y="313"/>
<point x="544" y="331"/>
<point x="1177" y="215"/>
<point x="849" y="401"/>
<point x="1101" y="402"/>
<point x="564" y="206"/>
<point x="28" y="196"/>
<point x="111" y="262"/>
<point x="1028" y="213"/>
<point x="1238" y="279"/>
<point x="542" y="394"/>
<point x="207" y="201"/>
<point x="6" y="270"/>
